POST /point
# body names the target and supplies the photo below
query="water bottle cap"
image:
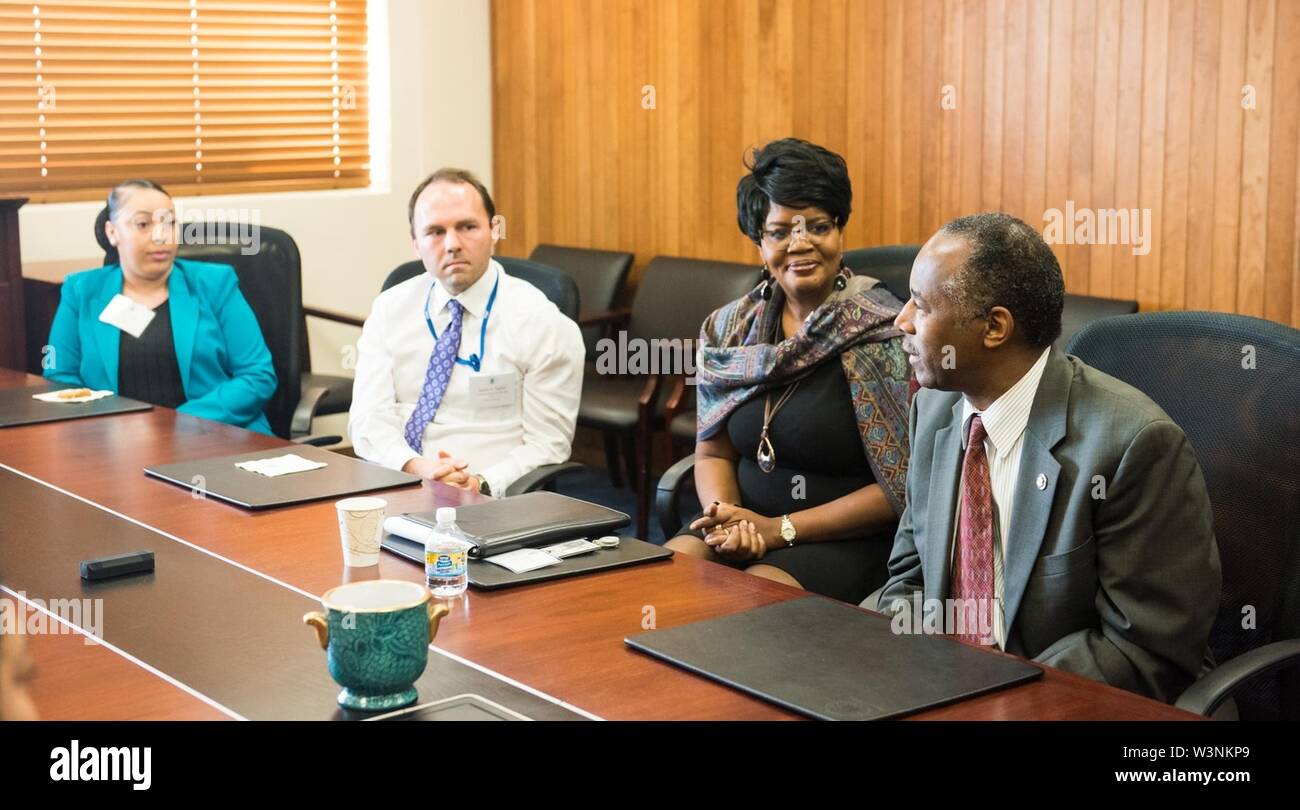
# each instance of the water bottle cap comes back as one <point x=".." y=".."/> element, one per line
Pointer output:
<point x="446" y="514"/>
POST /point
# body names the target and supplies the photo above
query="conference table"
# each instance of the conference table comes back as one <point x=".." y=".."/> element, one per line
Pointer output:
<point x="215" y="632"/>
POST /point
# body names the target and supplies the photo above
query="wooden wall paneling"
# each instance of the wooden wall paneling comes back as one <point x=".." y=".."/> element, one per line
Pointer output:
<point x="1060" y="56"/>
<point x="1151" y="191"/>
<point x="1014" y="112"/>
<point x="1128" y="141"/>
<point x="1230" y="117"/>
<point x="953" y="46"/>
<point x="891" y="114"/>
<point x="1255" y="157"/>
<point x="971" y="106"/>
<point x="1037" y="76"/>
<point x="1198" y="272"/>
<point x="1082" y="79"/>
<point x="1284" y="151"/>
<point x="1178" y="121"/>
<point x="1106" y="104"/>
<point x="913" y="100"/>
<point x="1105" y="154"/>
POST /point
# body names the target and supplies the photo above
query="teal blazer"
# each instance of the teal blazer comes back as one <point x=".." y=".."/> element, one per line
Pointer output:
<point x="225" y="366"/>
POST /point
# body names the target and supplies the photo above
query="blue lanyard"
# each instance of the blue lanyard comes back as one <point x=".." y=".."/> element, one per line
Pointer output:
<point x="475" y="361"/>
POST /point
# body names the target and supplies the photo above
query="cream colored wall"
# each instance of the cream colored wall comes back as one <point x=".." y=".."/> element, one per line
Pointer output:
<point x="431" y="106"/>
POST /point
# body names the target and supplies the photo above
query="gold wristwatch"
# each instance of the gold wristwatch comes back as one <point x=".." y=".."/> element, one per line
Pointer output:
<point x="787" y="531"/>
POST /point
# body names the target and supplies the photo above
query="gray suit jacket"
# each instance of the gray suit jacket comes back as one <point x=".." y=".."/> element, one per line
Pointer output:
<point x="1122" y="589"/>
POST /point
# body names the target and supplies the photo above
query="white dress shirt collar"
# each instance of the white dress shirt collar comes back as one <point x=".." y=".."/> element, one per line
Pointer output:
<point x="474" y="300"/>
<point x="1007" y="417"/>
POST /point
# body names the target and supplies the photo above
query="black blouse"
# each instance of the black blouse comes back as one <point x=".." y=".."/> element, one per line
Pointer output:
<point x="146" y="367"/>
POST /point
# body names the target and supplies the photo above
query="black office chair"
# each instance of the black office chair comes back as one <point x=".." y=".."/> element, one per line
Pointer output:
<point x="674" y="297"/>
<point x="271" y="281"/>
<point x="600" y="276"/>
<point x="892" y="264"/>
<point x="1081" y="310"/>
<point x="338" y="389"/>
<point x="563" y="292"/>
<point x="1232" y="383"/>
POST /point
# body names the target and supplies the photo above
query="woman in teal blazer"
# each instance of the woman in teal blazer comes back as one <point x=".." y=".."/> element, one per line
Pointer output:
<point x="212" y="361"/>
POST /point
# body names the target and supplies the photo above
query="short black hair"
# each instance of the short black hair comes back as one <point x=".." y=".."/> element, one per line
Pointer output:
<point x="1010" y="265"/>
<point x="796" y="174"/>
<point x="450" y="175"/>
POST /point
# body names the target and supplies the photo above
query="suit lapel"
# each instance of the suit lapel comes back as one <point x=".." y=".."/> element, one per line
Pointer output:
<point x="1033" y="505"/>
<point x="945" y="475"/>
<point x="185" y="318"/>
<point x="107" y="336"/>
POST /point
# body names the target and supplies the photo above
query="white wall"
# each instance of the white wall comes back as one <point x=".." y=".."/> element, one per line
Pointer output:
<point x="431" y="106"/>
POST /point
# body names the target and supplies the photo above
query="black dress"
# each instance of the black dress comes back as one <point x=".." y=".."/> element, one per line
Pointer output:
<point x="147" y="369"/>
<point x="819" y="455"/>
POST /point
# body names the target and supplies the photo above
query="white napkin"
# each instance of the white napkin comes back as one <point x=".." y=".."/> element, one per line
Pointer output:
<point x="523" y="560"/>
<point x="53" y="396"/>
<point x="280" y="465"/>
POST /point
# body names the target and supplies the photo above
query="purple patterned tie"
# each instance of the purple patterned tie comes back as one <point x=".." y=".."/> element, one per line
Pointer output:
<point x="441" y="363"/>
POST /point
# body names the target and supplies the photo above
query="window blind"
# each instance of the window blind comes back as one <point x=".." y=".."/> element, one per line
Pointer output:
<point x="203" y="96"/>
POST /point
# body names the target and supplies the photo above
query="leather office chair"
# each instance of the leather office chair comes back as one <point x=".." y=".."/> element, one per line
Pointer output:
<point x="1081" y="310"/>
<point x="1231" y="383"/>
<point x="674" y="297"/>
<point x="600" y="276"/>
<point x="271" y="281"/>
<point x="556" y="286"/>
<point x="337" y="388"/>
<point x="892" y="264"/>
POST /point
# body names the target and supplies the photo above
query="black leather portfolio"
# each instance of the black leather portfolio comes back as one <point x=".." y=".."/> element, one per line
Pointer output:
<point x="221" y="479"/>
<point x="531" y="519"/>
<point x="18" y="408"/>
<point x="833" y="661"/>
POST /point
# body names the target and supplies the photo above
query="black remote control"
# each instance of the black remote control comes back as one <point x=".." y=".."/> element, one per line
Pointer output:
<point x="119" y="565"/>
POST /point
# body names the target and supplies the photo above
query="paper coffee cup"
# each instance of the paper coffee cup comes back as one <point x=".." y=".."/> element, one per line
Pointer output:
<point x="361" y="527"/>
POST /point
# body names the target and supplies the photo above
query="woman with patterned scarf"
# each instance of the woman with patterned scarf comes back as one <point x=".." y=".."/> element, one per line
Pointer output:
<point x="803" y="392"/>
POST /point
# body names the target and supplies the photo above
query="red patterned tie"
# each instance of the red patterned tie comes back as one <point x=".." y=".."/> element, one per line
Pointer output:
<point x="972" y="575"/>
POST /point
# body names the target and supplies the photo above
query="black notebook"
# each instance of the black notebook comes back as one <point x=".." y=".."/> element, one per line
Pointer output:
<point x="221" y="479"/>
<point x="833" y="661"/>
<point x="531" y="519"/>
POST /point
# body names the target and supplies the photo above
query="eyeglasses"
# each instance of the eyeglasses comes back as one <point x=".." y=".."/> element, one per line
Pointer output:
<point x="781" y="238"/>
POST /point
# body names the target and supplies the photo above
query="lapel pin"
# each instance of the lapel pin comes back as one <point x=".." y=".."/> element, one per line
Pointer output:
<point x="1042" y="481"/>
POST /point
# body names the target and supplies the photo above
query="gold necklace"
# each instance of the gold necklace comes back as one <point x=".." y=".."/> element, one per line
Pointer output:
<point x="767" y="453"/>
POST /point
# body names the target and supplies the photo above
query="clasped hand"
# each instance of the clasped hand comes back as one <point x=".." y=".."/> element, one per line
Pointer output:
<point x="735" y="533"/>
<point x="445" y="470"/>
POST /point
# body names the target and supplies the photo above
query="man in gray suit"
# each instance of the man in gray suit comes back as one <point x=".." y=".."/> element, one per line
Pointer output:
<point x="1052" y="510"/>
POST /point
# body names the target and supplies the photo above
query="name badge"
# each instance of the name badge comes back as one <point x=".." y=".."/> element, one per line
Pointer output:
<point x="494" y="391"/>
<point x="127" y="315"/>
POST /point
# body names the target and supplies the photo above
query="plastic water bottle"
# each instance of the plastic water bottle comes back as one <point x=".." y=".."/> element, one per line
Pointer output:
<point x="446" y="552"/>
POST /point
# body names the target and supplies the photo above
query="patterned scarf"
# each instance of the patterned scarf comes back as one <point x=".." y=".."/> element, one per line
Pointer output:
<point x="736" y="363"/>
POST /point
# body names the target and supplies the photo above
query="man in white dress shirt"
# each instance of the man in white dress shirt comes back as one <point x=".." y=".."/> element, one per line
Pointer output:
<point x="465" y="375"/>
